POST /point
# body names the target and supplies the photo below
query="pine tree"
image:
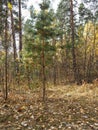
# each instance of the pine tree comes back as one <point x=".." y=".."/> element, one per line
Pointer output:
<point x="45" y="28"/>
<point x="67" y="17"/>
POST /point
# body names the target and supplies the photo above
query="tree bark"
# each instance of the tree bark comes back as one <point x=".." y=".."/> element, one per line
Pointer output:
<point x="20" y="28"/>
<point x="6" y="54"/>
<point x="54" y="66"/>
<point x="13" y="36"/>
<point x="43" y="70"/>
<point x="73" y="40"/>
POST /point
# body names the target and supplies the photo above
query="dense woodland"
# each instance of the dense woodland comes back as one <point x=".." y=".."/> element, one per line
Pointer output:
<point x="49" y="65"/>
<point x="49" y="47"/>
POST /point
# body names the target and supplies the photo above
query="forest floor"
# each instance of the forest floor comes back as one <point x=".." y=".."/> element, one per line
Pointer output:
<point x="68" y="107"/>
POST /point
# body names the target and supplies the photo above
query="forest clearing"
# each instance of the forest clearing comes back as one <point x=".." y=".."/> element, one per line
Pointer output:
<point x="68" y="107"/>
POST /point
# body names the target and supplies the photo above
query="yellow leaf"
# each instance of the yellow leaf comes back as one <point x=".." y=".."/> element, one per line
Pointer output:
<point x="10" y="6"/>
<point x="82" y="111"/>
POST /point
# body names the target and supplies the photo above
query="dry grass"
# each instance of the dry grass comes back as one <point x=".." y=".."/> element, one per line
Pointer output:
<point x="74" y="91"/>
<point x="67" y="107"/>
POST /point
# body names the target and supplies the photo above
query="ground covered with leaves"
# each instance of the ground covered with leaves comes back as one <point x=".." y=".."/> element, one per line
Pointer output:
<point x="67" y="107"/>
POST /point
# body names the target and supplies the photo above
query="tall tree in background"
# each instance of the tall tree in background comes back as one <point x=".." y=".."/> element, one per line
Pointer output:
<point x="4" y="43"/>
<point x="6" y="50"/>
<point x="88" y="14"/>
<point x="10" y="7"/>
<point x="20" y="27"/>
<point x="66" y="14"/>
<point x="72" y="25"/>
<point x="85" y="15"/>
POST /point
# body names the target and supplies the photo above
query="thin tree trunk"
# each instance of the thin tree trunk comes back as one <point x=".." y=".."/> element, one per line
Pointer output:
<point x="93" y="49"/>
<point x="6" y="54"/>
<point x="54" y="74"/>
<point x="13" y="36"/>
<point x="89" y="68"/>
<point x="43" y="70"/>
<point x="20" y="28"/>
<point x="73" y="41"/>
<point x="54" y="66"/>
<point x="85" y="58"/>
<point x="28" y="76"/>
<point x="20" y="41"/>
<point x="14" y="44"/>
<point x="85" y="55"/>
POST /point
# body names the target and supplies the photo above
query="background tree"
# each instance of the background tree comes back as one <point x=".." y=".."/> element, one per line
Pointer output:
<point x="87" y="13"/>
<point x="67" y="17"/>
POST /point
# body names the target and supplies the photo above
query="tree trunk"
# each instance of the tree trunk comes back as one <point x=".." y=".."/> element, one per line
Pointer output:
<point x="43" y="70"/>
<point x="20" y="42"/>
<point x="93" y="50"/>
<point x="13" y="36"/>
<point x="73" y="41"/>
<point x="6" y="54"/>
<point x="20" y="28"/>
<point x="54" y="66"/>
<point x="28" y="76"/>
<point x="14" y="44"/>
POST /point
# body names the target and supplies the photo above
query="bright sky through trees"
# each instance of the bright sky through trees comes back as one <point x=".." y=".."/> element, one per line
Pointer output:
<point x="35" y="4"/>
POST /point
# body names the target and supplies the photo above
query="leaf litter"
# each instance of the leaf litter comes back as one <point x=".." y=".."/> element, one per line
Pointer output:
<point x="65" y="110"/>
